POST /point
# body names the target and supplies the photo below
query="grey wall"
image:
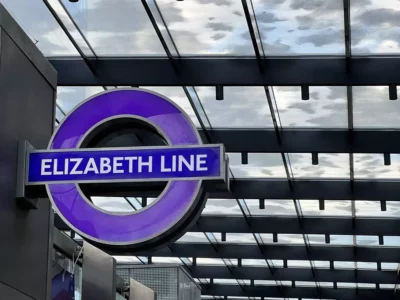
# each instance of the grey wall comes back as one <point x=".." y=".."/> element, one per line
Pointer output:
<point x="27" y="90"/>
<point x="98" y="274"/>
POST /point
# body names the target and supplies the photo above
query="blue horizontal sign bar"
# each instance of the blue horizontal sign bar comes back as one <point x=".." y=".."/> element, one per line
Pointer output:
<point x="126" y="164"/>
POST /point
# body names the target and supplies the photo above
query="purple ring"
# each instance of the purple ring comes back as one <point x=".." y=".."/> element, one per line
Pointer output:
<point x="143" y="225"/>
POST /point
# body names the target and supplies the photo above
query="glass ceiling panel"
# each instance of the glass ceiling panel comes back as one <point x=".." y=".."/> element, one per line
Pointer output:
<point x="344" y="264"/>
<point x="209" y="261"/>
<point x="386" y="286"/>
<point x="346" y="285"/>
<point x="373" y="109"/>
<point x="177" y="95"/>
<point x="327" y="107"/>
<point x="127" y="259"/>
<point x="373" y="209"/>
<point x="193" y="237"/>
<point x="254" y="262"/>
<point x="221" y="207"/>
<point x="389" y="266"/>
<point x="367" y="265"/>
<point x="372" y="166"/>
<point x="306" y="283"/>
<point x="245" y="107"/>
<point x="366" y="285"/>
<point x="41" y="27"/>
<point x="240" y="238"/>
<point x="332" y="208"/>
<point x="367" y="240"/>
<point x="69" y="97"/>
<point x="116" y="30"/>
<point x="391" y="241"/>
<point x="330" y="165"/>
<point x="301" y="27"/>
<point x="283" y="239"/>
<point x="334" y="239"/>
<point x="207" y="27"/>
<point x="114" y="204"/>
<point x="298" y="264"/>
<point x="272" y="207"/>
<point x="167" y="260"/>
<point x="260" y="165"/>
<point x="375" y="27"/>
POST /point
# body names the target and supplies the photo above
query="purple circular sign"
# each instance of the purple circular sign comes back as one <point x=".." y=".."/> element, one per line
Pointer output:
<point x="172" y="207"/>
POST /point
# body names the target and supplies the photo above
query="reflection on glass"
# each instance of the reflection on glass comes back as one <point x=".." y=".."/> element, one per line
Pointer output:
<point x="207" y="27"/>
<point x="375" y="27"/>
<point x="301" y="27"/>
<point x="326" y="108"/>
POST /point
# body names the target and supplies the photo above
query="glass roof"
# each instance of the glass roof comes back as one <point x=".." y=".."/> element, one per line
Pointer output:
<point x="326" y="108"/>
<point x="373" y="109"/>
<point x="207" y="27"/>
<point x="301" y="27"/>
<point x="116" y="30"/>
<point x="375" y="27"/>
<point x="294" y="28"/>
<point x="41" y="27"/>
<point x="242" y="107"/>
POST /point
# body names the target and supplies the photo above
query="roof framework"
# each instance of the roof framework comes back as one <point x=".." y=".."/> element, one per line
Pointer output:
<point x="313" y="211"/>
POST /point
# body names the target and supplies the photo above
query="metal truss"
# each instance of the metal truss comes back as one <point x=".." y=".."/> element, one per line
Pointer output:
<point x="227" y="71"/>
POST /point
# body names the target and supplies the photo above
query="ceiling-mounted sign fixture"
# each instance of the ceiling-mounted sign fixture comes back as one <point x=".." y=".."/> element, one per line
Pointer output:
<point x="183" y="162"/>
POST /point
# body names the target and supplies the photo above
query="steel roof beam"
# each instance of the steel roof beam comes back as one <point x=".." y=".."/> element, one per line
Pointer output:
<point x="300" y="292"/>
<point x="228" y="71"/>
<point x="273" y="251"/>
<point x="296" y="274"/>
<point x="307" y="140"/>
<point x="290" y="225"/>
